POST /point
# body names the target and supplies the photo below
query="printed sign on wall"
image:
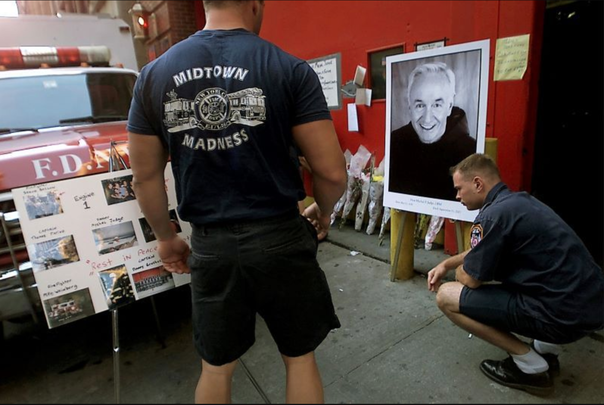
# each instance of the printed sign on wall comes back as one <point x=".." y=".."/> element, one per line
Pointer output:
<point x="90" y="247"/>
<point x="330" y="74"/>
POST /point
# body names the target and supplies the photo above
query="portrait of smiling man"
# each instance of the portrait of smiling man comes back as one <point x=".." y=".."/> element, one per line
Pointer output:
<point x="436" y="137"/>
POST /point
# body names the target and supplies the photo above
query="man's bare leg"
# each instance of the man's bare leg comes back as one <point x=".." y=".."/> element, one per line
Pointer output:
<point x="303" y="384"/>
<point x="447" y="300"/>
<point x="214" y="385"/>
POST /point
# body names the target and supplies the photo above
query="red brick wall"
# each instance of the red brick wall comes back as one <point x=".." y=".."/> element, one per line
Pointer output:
<point x="174" y="21"/>
<point x="182" y="19"/>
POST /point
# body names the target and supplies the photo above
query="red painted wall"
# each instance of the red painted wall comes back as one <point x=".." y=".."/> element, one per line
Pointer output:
<point x="311" y="29"/>
<point x="199" y="14"/>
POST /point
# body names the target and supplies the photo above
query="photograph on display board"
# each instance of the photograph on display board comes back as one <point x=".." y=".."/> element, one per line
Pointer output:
<point x="154" y="279"/>
<point x="68" y="308"/>
<point x="148" y="232"/>
<point x="43" y="205"/>
<point x="436" y="115"/>
<point x="69" y="250"/>
<point x="116" y="286"/>
<point x="118" y="190"/>
<point x="114" y="237"/>
<point x="53" y="253"/>
<point x="175" y="222"/>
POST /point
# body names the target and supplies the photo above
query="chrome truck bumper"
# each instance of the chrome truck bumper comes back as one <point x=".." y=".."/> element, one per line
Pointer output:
<point x="18" y="289"/>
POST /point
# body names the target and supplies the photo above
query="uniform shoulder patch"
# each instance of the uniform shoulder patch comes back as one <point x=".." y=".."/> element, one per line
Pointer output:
<point x="475" y="235"/>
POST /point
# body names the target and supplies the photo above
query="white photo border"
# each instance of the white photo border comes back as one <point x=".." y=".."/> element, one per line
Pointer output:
<point x="426" y="205"/>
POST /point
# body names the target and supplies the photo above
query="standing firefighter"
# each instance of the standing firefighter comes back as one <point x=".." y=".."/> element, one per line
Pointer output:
<point x="244" y="105"/>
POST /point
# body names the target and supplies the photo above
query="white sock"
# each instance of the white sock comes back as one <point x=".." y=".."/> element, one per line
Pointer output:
<point x="545" y="348"/>
<point x="530" y="363"/>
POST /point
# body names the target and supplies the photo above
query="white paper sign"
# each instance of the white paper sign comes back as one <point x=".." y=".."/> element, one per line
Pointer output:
<point x="359" y="76"/>
<point x="328" y="70"/>
<point x="363" y="97"/>
<point x="90" y="247"/>
<point x="511" y="57"/>
<point x="353" y="120"/>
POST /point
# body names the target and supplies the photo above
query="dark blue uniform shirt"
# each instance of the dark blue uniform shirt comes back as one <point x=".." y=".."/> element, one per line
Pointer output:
<point x="524" y="244"/>
<point x="226" y="116"/>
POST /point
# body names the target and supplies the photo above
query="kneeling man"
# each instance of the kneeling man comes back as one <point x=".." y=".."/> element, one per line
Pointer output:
<point x="543" y="282"/>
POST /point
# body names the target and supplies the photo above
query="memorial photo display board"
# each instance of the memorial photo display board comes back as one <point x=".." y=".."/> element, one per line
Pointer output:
<point x="436" y="107"/>
<point x="90" y="247"/>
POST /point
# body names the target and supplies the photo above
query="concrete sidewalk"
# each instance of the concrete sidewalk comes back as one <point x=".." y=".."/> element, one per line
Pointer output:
<point x="394" y="346"/>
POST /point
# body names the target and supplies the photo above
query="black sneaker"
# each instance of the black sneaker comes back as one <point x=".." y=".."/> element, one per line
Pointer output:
<point x="507" y="373"/>
<point x="552" y="361"/>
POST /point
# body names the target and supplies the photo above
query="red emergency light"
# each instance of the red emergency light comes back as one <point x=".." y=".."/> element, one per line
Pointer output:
<point x="142" y="21"/>
<point x="36" y="56"/>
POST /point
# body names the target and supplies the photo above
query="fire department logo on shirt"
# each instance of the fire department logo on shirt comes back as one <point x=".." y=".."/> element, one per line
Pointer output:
<point x="475" y="235"/>
<point x="214" y="109"/>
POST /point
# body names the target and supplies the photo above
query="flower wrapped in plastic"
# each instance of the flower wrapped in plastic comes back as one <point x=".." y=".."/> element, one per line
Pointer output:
<point x="354" y="188"/>
<point x="385" y="220"/>
<point x="353" y="194"/>
<point x="337" y="209"/>
<point x="363" y="201"/>
<point x="376" y="197"/>
<point x="376" y="206"/>
<point x="434" y="227"/>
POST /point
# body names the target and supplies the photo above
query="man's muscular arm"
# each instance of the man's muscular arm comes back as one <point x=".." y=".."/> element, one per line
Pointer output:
<point x="148" y="161"/>
<point x="465" y="279"/>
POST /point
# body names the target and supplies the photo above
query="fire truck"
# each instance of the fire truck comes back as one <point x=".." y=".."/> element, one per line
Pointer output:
<point x="63" y="113"/>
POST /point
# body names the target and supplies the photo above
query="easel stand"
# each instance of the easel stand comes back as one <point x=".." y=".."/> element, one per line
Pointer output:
<point x="459" y="237"/>
<point x="116" y="346"/>
<point x="4" y="219"/>
<point x="402" y="248"/>
<point x="116" y="162"/>
<point x="116" y="355"/>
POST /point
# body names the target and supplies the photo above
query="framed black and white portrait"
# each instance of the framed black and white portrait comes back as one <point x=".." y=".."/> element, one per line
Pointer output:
<point x="436" y="102"/>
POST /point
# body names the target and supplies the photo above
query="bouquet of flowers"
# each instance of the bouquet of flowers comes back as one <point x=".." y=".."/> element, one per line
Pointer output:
<point x="385" y="220"/>
<point x="376" y="207"/>
<point x="433" y="228"/>
<point x="337" y="209"/>
<point x="376" y="194"/>
<point x="353" y="193"/>
<point x="354" y="189"/>
<point x="362" y="205"/>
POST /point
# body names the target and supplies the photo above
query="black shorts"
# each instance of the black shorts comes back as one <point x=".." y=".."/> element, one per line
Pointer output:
<point x="267" y="267"/>
<point x="494" y="305"/>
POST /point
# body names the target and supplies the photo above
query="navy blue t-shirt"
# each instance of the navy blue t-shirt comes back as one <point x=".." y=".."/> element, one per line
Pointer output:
<point x="524" y="244"/>
<point x="224" y="103"/>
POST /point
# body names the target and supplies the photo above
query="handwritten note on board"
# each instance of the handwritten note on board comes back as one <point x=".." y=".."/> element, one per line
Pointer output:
<point x="511" y="57"/>
<point x="328" y="70"/>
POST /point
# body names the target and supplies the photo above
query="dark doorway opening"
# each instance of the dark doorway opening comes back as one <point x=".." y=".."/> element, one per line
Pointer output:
<point x="568" y="167"/>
